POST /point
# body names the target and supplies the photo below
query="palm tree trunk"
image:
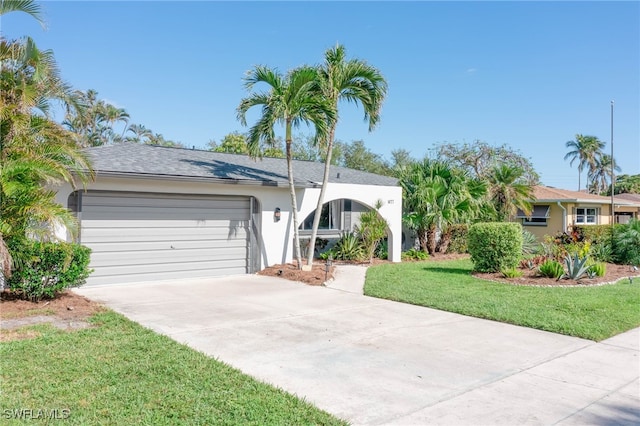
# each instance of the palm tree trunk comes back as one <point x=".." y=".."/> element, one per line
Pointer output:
<point x="318" y="213"/>
<point x="292" y="190"/>
<point x="431" y="240"/>
<point x="422" y="240"/>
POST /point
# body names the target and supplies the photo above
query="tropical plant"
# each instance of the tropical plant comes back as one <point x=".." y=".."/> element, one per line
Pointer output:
<point x="602" y="251"/>
<point x="352" y="80"/>
<point x="600" y="175"/>
<point x="626" y="243"/>
<point x="435" y="196"/>
<point x="551" y="269"/>
<point x="139" y="134"/>
<point x="530" y="244"/>
<point x="414" y="254"/>
<point x="598" y="269"/>
<point x="495" y="246"/>
<point x="586" y="150"/>
<point x="508" y="192"/>
<point x="371" y="229"/>
<point x="292" y="100"/>
<point x="576" y="266"/>
<point x="348" y="247"/>
<point x="627" y="184"/>
<point x="36" y="153"/>
<point x="511" y="273"/>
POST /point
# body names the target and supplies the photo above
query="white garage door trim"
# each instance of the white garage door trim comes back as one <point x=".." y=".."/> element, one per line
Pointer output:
<point x="141" y="236"/>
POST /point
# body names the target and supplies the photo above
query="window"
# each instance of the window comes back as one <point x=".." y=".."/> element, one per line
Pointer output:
<point x="586" y="216"/>
<point x="330" y="217"/>
<point x="538" y="216"/>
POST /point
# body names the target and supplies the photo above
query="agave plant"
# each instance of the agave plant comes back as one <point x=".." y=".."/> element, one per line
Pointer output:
<point x="576" y="266"/>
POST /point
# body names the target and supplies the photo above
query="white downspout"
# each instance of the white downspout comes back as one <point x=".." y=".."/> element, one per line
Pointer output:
<point x="564" y="217"/>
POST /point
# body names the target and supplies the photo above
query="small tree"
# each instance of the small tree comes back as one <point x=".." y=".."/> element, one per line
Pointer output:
<point x="372" y="229"/>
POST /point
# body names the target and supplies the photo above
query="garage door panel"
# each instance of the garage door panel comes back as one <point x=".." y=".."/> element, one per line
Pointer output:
<point x="169" y="256"/>
<point x="144" y="236"/>
<point x="119" y="246"/>
<point x="148" y="213"/>
<point x="166" y="234"/>
<point x="164" y="224"/>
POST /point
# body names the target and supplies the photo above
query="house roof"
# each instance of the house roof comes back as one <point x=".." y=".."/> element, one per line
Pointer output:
<point x="130" y="159"/>
<point x="635" y="198"/>
<point x="549" y="194"/>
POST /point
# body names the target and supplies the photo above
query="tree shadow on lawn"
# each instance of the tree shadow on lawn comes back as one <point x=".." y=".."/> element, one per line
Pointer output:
<point x="452" y="271"/>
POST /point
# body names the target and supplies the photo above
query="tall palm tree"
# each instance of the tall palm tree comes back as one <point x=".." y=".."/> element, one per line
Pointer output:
<point x="290" y="101"/>
<point x="436" y="195"/>
<point x="586" y="150"/>
<point x="508" y="192"/>
<point x="350" y="80"/>
<point x="29" y="7"/>
<point x="600" y="175"/>
<point x="35" y="151"/>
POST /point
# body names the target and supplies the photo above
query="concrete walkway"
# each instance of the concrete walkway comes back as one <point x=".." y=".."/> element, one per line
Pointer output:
<point x="373" y="361"/>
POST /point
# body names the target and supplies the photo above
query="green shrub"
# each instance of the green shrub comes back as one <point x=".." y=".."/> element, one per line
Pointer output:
<point x="458" y="242"/>
<point x="495" y="246"/>
<point x="414" y="254"/>
<point x="598" y="269"/>
<point x="602" y="251"/>
<point x="371" y="230"/>
<point x="47" y="268"/>
<point x="551" y="269"/>
<point x="382" y="251"/>
<point x="626" y="243"/>
<point x="594" y="233"/>
<point x="511" y="273"/>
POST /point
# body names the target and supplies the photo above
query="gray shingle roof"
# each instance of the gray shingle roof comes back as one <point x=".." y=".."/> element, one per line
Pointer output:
<point x="150" y="160"/>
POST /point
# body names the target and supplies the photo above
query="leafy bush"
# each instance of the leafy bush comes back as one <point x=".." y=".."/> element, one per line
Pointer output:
<point x="495" y="246"/>
<point x="598" y="269"/>
<point x="458" y="242"/>
<point x="48" y="268"/>
<point x="576" y="266"/>
<point x="594" y="233"/>
<point x="511" y="273"/>
<point x="414" y="254"/>
<point x="551" y="269"/>
<point x="626" y="243"/>
<point x="602" y="251"/>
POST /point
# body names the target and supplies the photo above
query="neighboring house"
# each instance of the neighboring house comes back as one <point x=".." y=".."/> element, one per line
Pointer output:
<point x="165" y="213"/>
<point x="557" y="210"/>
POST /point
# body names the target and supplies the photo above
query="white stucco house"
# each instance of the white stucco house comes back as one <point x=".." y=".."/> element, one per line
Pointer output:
<point x="157" y="213"/>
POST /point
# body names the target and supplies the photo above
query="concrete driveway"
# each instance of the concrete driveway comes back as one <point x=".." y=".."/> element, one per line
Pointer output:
<point x="372" y="361"/>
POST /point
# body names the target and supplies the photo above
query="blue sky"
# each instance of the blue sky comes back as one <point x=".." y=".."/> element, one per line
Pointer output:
<point x="527" y="74"/>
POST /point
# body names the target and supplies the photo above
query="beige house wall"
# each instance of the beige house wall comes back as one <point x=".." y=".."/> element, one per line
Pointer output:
<point x="554" y="223"/>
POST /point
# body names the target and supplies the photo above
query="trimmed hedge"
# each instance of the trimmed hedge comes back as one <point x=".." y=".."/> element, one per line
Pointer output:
<point x="495" y="246"/>
<point x="47" y="268"/>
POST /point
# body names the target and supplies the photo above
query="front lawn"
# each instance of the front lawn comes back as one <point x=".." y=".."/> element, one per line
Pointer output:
<point x="122" y="373"/>
<point x="594" y="313"/>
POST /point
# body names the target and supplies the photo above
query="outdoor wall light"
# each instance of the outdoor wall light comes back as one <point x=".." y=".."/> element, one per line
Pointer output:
<point x="276" y="214"/>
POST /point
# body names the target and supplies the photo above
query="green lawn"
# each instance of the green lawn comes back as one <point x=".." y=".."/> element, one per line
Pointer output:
<point x="122" y="373"/>
<point x="594" y="313"/>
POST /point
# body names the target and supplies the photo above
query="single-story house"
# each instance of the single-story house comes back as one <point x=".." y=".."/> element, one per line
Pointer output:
<point x="163" y="213"/>
<point x="557" y="210"/>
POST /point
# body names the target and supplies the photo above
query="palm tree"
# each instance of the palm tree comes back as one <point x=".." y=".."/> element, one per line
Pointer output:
<point x="354" y="81"/>
<point x="586" y="150"/>
<point x="35" y="151"/>
<point x="29" y="7"/>
<point x="507" y="191"/>
<point x="436" y="195"/>
<point x="140" y="133"/>
<point x="291" y="102"/>
<point x="600" y="175"/>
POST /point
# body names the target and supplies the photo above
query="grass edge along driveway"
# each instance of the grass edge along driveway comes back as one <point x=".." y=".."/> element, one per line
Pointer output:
<point x="119" y="372"/>
<point x="594" y="313"/>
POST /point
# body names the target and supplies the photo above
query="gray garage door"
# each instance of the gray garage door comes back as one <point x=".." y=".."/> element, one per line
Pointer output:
<point x="146" y="236"/>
